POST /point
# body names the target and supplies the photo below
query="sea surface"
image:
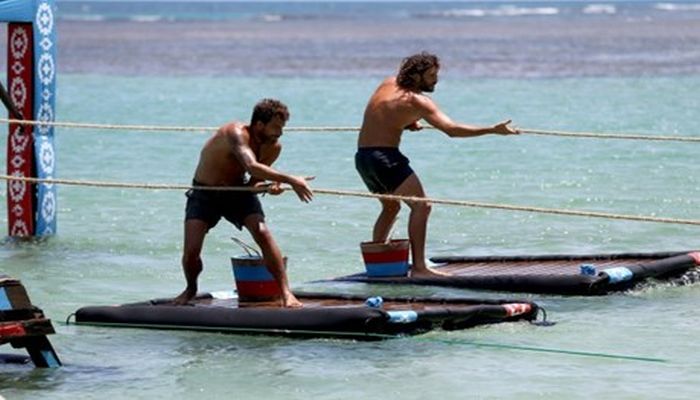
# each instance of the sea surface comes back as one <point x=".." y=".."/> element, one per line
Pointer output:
<point x="604" y="66"/>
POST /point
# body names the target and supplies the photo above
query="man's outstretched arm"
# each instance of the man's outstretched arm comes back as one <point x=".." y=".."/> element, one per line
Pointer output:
<point x="258" y="170"/>
<point x="435" y="117"/>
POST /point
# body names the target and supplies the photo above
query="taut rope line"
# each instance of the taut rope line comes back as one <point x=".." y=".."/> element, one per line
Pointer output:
<point x="463" y="203"/>
<point x="627" y="136"/>
<point x="81" y="125"/>
<point x="168" y="128"/>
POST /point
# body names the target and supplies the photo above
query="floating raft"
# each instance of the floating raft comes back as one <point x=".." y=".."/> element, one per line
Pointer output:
<point x="550" y="274"/>
<point x="323" y="315"/>
<point x="23" y="325"/>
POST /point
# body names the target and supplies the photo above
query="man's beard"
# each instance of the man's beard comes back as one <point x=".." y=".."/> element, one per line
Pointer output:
<point x="270" y="139"/>
<point x="424" y="87"/>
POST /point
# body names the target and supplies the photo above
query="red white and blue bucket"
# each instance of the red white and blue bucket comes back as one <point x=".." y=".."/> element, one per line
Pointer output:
<point x="254" y="282"/>
<point x="386" y="259"/>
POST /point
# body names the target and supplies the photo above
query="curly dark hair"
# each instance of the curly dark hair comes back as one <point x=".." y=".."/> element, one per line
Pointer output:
<point x="415" y="64"/>
<point x="268" y="108"/>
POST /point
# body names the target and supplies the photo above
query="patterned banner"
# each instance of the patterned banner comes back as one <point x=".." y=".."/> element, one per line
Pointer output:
<point x="20" y="197"/>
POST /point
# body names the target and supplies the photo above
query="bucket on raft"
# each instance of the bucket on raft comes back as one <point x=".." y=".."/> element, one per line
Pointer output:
<point x="386" y="258"/>
<point x="254" y="282"/>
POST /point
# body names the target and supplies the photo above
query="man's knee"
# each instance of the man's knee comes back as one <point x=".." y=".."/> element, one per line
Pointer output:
<point x="392" y="207"/>
<point x="421" y="207"/>
<point x="261" y="233"/>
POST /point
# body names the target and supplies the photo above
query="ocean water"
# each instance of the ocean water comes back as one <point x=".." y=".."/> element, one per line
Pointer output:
<point x="628" y="67"/>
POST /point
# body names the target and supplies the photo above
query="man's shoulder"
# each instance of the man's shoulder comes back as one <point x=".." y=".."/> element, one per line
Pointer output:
<point x="420" y="100"/>
<point x="389" y="80"/>
<point x="387" y="85"/>
<point x="232" y="126"/>
<point x="233" y="129"/>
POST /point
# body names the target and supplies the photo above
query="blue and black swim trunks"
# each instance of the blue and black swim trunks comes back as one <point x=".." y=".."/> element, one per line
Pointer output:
<point x="383" y="169"/>
<point x="210" y="205"/>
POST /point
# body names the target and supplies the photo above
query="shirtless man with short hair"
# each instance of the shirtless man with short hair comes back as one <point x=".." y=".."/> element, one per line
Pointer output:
<point x="226" y="157"/>
<point x="398" y="104"/>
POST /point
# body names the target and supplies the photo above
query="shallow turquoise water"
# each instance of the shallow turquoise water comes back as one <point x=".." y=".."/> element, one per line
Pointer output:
<point x="117" y="245"/>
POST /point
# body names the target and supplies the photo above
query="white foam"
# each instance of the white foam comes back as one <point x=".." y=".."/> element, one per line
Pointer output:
<point x="677" y="7"/>
<point x="271" y="18"/>
<point x="503" y="11"/>
<point x="599" y="9"/>
<point x="468" y="12"/>
<point x="82" y="17"/>
<point x="146" y="18"/>
<point x="511" y="11"/>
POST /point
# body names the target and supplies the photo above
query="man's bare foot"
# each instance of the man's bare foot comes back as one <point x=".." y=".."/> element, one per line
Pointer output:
<point x="290" y="301"/>
<point x="184" y="297"/>
<point x="287" y="301"/>
<point x="425" y="272"/>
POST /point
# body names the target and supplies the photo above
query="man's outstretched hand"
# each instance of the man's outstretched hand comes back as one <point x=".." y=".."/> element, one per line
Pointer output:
<point x="504" y="128"/>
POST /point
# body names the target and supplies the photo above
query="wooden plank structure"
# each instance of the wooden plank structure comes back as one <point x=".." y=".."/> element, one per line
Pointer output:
<point x="596" y="274"/>
<point x="23" y="325"/>
<point x="323" y="315"/>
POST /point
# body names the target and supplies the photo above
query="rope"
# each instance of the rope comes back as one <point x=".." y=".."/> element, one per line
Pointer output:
<point x="124" y="185"/>
<point x="80" y="125"/>
<point x="613" y="136"/>
<point x="462" y="203"/>
<point x="164" y="128"/>
<point x="170" y="128"/>
<point x="502" y="346"/>
<point x="510" y="207"/>
<point x="547" y="350"/>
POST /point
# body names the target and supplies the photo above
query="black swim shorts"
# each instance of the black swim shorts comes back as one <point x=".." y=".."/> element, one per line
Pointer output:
<point x="211" y="205"/>
<point x="383" y="169"/>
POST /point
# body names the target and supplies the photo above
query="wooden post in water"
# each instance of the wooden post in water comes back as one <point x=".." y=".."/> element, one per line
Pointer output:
<point x="31" y="72"/>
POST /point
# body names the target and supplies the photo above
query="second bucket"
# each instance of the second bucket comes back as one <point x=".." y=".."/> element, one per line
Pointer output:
<point x="386" y="259"/>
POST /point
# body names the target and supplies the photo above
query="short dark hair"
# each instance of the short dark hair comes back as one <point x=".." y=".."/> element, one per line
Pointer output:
<point x="268" y="108"/>
<point x="415" y="64"/>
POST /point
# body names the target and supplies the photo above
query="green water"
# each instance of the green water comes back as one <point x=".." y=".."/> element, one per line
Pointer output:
<point x="122" y="245"/>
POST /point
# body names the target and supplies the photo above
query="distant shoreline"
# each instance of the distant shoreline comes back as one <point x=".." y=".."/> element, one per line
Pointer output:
<point x="358" y="49"/>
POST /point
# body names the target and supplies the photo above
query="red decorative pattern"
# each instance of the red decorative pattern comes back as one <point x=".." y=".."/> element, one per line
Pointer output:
<point x="20" y="149"/>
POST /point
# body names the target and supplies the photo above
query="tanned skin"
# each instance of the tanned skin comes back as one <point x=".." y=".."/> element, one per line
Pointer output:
<point x="231" y="152"/>
<point x="391" y="110"/>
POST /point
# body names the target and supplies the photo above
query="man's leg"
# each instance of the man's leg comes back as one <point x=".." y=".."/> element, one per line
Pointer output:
<point x="195" y="230"/>
<point x="417" y="225"/>
<point x="382" y="228"/>
<point x="272" y="255"/>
